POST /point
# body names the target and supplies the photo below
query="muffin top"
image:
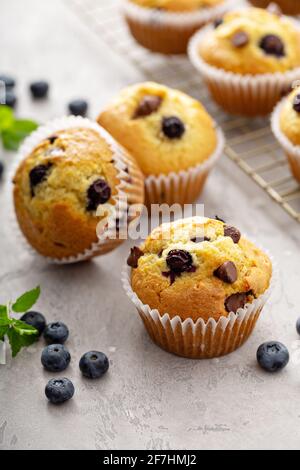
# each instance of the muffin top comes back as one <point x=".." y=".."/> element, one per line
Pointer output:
<point x="252" y="41"/>
<point x="164" y="129"/>
<point x="198" y="268"/>
<point x="290" y="117"/>
<point x="177" y="5"/>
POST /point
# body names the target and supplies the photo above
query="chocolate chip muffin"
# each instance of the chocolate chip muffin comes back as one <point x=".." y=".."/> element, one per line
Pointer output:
<point x="289" y="7"/>
<point x="171" y="136"/>
<point x="255" y="53"/>
<point x="204" y="272"/>
<point x="64" y="178"/>
<point x="286" y="128"/>
<point x="166" y="26"/>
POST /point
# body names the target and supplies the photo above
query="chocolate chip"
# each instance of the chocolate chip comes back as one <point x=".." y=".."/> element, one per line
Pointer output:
<point x="173" y="127"/>
<point x="37" y="175"/>
<point x="148" y="105"/>
<point x="236" y="301"/>
<point x="227" y="272"/>
<point x="272" y="45"/>
<point x="240" y="39"/>
<point x="52" y="139"/>
<point x="135" y="255"/>
<point x="200" y="239"/>
<point x="98" y="193"/>
<point x="179" y="261"/>
<point x="218" y="22"/>
<point x="232" y="232"/>
<point x="296" y="103"/>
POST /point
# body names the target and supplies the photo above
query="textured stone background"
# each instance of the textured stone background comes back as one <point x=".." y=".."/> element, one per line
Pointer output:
<point x="149" y="399"/>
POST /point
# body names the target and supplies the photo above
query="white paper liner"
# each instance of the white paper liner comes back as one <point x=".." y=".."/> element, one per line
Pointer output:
<point x="182" y="187"/>
<point x="232" y="330"/>
<point x="104" y="242"/>
<point x="293" y="151"/>
<point x="241" y="94"/>
<point x="179" y="20"/>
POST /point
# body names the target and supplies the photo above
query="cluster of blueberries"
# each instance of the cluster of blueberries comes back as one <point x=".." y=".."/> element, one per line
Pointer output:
<point x="56" y="357"/>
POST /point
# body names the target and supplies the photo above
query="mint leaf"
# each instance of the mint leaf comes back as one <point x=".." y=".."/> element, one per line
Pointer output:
<point x="18" y="341"/>
<point x="26" y="301"/>
<point x="3" y="313"/>
<point x="6" y="117"/>
<point x="23" y="328"/>
<point x="16" y="133"/>
<point x="3" y="331"/>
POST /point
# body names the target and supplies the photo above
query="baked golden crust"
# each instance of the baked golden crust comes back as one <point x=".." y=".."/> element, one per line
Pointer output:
<point x="54" y="215"/>
<point x="218" y="49"/>
<point x="177" y="5"/>
<point x="290" y="118"/>
<point x="143" y="137"/>
<point x="198" y="293"/>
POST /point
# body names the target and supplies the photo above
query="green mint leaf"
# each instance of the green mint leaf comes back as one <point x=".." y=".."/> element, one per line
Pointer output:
<point x="26" y="301"/>
<point x="3" y="313"/>
<point x="18" y="341"/>
<point x="6" y="117"/>
<point x="3" y="331"/>
<point x="23" y="328"/>
<point x="13" y="136"/>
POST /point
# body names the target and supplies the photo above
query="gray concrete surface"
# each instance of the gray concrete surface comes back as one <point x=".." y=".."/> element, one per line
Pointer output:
<point x="149" y="399"/>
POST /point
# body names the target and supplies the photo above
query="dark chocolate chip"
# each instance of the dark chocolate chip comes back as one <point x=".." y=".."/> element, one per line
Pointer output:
<point x="296" y="103"/>
<point x="173" y="127"/>
<point x="236" y="301"/>
<point x="272" y="45"/>
<point x="218" y="22"/>
<point x="179" y="261"/>
<point x="135" y="255"/>
<point x="98" y="193"/>
<point x="52" y="139"/>
<point x="227" y="272"/>
<point x="240" y="39"/>
<point x="148" y="105"/>
<point x="37" y="175"/>
<point x="232" y="232"/>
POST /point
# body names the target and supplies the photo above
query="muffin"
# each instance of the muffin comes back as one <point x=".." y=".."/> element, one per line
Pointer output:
<point x="166" y="26"/>
<point x="172" y="137"/>
<point x="69" y="170"/>
<point x="248" y="60"/>
<point x="199" y="286"/>
<point x="286" y="128"/>
<point x="289" y="7"/>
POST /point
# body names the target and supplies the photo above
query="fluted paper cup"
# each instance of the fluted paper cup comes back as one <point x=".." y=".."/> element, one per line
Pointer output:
<point x="248" y="95"/>
<point x="198" y="340"/>
<point x="130" y="189"/>
<point x="168" y="32"/>
<point x="183" y="187"/>
<point x="292" y="151"/>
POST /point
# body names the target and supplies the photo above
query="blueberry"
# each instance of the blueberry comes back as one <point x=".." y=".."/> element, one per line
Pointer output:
<point x="94" y="364"/>
<point x="1" y="170"/>
<point x="8" y="81"/>
<point x="10" y="99"/>
<point x="39" y="89"/>
<point x="56" y="333"/>
<point x="298" y="326"/>
<point x="272" y="356"/>
<point x="55" y="357"/>
<point x="59" y="390"/>
<point x="35" y="319"/>
<point x="173" y="127"/>
<point x="78" y="107"/>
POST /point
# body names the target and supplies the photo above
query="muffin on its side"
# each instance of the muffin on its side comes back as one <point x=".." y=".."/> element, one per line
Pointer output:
<point x="249" y="60"/>
<point x="199" y="286"/>
<point x="166" y="26"/>
<point x="289" y="7"/>
<point x="172" y="137"/>
<point x="65" y="176"/>
<point x="286" y="128"/>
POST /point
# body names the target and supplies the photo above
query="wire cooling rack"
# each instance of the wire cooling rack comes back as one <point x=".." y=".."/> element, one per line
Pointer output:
<point x="250" y="143"/>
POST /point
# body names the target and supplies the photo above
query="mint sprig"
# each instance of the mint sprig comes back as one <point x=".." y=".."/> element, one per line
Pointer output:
<point x="19" y="333"/>
<point x="12" y="130"/>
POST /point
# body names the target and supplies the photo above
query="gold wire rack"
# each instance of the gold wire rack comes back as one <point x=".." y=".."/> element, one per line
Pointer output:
<point x="250" y="143"/>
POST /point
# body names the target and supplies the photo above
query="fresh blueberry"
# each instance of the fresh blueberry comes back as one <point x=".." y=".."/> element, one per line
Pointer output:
<point x="298" y="326"/>
<point x="8" y="81"/>
<point x="55" y="357"/>
<point x="35" y="319"/>
<point x="56" y="333"/>
<point x="94" y="364"/>
<point x="10" y="99"/>
<point x="78" y="107"/>
<point x="39" y="89"/>
<point x="1" y="170"/>
<point x="59" y="390"/>
<point x="272" y="356"/>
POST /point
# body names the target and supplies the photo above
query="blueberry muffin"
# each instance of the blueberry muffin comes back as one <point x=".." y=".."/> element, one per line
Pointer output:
<point x="61" y="183"/>
<point x="200" y="270"/>
<point x="168" y="133"/>
<point x="289" y="7"/>
<point x="249" y="59"/>
<point x="166" y="26"/>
